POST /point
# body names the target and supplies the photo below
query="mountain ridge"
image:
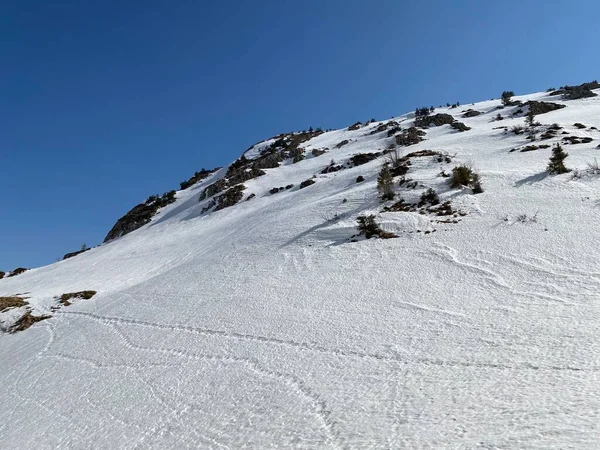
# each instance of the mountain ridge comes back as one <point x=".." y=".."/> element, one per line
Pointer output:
<point x="273" y="321"/>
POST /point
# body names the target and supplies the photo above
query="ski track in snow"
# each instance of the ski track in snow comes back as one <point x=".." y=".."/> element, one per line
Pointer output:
<point x="263" y="326"/>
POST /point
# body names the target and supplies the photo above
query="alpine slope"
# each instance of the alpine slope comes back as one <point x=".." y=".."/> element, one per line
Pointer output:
<point x="251" y="312"/>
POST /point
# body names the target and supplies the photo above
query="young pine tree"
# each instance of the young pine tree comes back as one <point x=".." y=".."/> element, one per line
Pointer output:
<point x="385" y="183"/>
<point x="506" y="97"/>
<point x="530" y="118"/>
<point x="556" y="165"/>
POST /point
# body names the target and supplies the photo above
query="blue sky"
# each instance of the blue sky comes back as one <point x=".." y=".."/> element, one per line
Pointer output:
<point x="105" y="103"/>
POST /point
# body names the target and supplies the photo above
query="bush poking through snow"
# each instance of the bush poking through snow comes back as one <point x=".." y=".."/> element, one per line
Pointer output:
<point x="369" y="228"/>
<point x="593" y="168"/>
<point x="464" y="175"/>
<point x="385" y="183"/>
<point x="556" y="166"/>
<point x="429" y="196"/>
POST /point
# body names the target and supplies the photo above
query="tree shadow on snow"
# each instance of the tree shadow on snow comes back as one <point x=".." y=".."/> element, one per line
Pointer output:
<point x="532" y="179"/>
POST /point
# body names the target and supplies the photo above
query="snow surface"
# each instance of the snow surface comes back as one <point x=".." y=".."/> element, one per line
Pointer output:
<point x="264" y="326"/>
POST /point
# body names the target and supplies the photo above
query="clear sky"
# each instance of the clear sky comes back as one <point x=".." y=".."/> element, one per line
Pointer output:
<point x="103" y="103"/>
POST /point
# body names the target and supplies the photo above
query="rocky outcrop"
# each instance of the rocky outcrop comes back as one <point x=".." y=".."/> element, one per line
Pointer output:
<point x="538" y="108"/>
<point x="72" y="254"/>
<point x="583" y="90"/>
<point x="306" y="183"/>
<point x="471" y="113"/>
<point x="140" y="215"/>
<point x="17" y="271"/>
<point x="410" y="136"/>
<point x="460" y="126"/>
<point x="244" y="169"/>
<point x="435" y="120"/>
<point x="197" y="177"/>
<point x="228" y="198"/>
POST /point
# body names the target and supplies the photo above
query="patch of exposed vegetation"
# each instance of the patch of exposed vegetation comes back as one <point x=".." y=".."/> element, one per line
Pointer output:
<point x="306" y="183"/>
<point x="583" y="90"/>
<point x="197" y="177"/>
<point x="536" y="108"/>
<point x="228" y="198"/>
<point x="369" y="228"/>
<point x="26" y="321"/>
<point x="577" y="140"/>
<point x="465" y="176"/>
<point x="385" y="126"/>
<point x="66" y="299"/>
<point x="318" y="152"/>
<point x="409" y="137"/>
<point x="471" y="113"/>
<point x="435" y="120"/>
<point x="363" y="158"/>
<point x="17" y="271"/>
<point x="460" y="126"/>
<point x="243" y="169"/>
<point x="556" y="166"/>
<point x="11" y="302"/>
<point x="140" y="215"/>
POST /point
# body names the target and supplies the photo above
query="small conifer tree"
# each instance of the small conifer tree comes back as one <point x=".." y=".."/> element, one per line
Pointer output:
<point x="556" y="165"/>
<point x="530" y="118"/>
<point x="368" y="226"/>
<point x="506" y="98"/>
<point x="385" y="183"/>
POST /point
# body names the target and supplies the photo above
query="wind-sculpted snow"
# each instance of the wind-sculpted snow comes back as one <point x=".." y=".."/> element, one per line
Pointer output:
<point x="270" y="324"/>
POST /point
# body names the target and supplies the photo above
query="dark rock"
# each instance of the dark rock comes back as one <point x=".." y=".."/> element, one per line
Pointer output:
<point x="318" y="152"/>
<point x="359" y="179"/>
<point x="306" y="183"/>
<point x="65" y="299"/>
<point x="538" y="108"/>
<point x="384" y="126"/>
<point x="363" y="158"/>
<point x="435" y="120"/>
<point x="584" y="90"/>
<point x="355" y="126"/>
<point x="2" y="274"/>
<point x="472" y="113"/>
<point x="70" y="255"/>
<point x="460" y="126"/>
<point x="342" y="143"/>
<point x="391" y="132"/>
<point x="410" y="136"/>
<point x="139" y="216"/>
<point x="228" y="198"/>
<point x="17" y="271"/>
<point x="26" y="321"/>
<point x="289" y="186"/>
<point x="198" y="176"/>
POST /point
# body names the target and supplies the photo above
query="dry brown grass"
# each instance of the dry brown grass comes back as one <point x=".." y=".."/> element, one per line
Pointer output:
<point x="65" y="299"/>
<point x="26" y="321"/>
<point x="11" y="302"/>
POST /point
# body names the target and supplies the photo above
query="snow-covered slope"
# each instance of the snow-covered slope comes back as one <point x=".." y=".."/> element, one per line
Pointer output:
<point x="270" y="324"/>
